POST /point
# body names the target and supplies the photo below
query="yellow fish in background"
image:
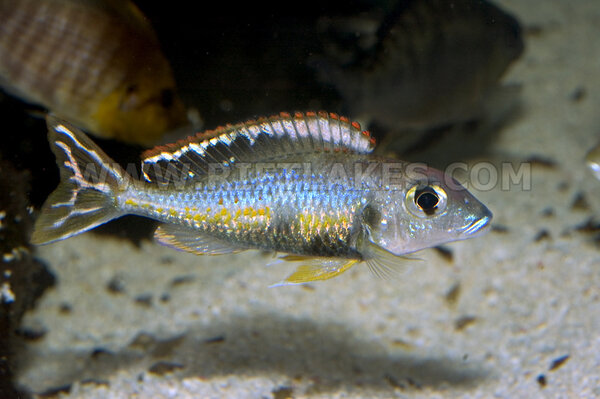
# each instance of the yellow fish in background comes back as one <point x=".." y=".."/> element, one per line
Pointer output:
<point x="97" y="63"/>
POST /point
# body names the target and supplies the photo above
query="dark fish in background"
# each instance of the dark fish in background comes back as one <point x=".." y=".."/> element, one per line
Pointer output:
<point x="97" y="63"/>
<point x="421" y="64"/>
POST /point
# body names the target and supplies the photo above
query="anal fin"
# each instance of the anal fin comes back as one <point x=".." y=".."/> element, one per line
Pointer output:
<point x="190" y="240"/>
<point x="315" y="269"/>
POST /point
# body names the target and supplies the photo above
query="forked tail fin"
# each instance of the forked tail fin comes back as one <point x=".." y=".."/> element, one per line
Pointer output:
<point x="89" y="184"/>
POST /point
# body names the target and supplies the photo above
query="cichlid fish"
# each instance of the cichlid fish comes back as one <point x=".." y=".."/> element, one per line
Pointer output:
<point x="424" y="64"/>
<point x="593" y="161"/>
<point x="302" y="184"/>
<point x="95" y="62"/>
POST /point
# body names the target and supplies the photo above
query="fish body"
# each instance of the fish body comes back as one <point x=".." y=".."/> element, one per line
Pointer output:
<point x="95" y="62"/>
<point x="431" y="63"/>
<point x="301" y="184"/>
<point x="593" y="161"/>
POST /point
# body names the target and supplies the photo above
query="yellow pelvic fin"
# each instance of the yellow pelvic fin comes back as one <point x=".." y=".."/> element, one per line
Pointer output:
<point x="314" y="269"/>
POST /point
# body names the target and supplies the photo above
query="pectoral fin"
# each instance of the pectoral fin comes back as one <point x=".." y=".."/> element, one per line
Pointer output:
<point x="382" y="262"/>
<point x="314" y="269"/>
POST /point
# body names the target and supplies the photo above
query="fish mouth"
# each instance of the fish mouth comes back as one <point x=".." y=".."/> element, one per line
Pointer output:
<point x="478" y="226"/>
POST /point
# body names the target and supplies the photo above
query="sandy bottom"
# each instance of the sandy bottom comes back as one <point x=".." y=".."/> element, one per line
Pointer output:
<point x="513" y="314"/>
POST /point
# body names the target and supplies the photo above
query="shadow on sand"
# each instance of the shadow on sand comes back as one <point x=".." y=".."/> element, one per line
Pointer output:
<point x="328" y="357"/>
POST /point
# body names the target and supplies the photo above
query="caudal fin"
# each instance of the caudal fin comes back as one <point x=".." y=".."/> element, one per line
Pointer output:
<point x="89" y="184"/>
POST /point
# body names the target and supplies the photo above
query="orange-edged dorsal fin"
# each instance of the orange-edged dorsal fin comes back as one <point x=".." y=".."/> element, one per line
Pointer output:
<point x="264" y="139"/>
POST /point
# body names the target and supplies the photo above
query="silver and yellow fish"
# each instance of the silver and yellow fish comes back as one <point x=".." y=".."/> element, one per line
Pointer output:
<point x="97" y="63"/>
<point x="302" y="184"/>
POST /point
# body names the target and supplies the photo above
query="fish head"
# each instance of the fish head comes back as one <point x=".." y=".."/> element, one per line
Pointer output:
<point x="143" y="107"/>
<point x="428" y="209"/>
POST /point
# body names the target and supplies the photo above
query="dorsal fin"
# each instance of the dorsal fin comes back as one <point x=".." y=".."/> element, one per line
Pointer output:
<point x="262" y="140"/>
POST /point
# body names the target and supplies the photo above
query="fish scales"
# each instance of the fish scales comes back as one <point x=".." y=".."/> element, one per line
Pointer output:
<point x="279" y="210"/>
<point x="301" y="184"/>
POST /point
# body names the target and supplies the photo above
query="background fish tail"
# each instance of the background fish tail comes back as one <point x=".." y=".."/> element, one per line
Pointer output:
<point x="89" y="184"/>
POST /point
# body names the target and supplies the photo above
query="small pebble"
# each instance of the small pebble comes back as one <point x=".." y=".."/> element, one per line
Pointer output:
<point x="164" y="367"/>
<point x="558" y="362"/>
<point x="463" y="322"/>
<point x="541" y="379"/>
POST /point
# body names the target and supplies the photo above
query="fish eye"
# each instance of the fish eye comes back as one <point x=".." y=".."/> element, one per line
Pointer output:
<point x="426" y="201"/>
